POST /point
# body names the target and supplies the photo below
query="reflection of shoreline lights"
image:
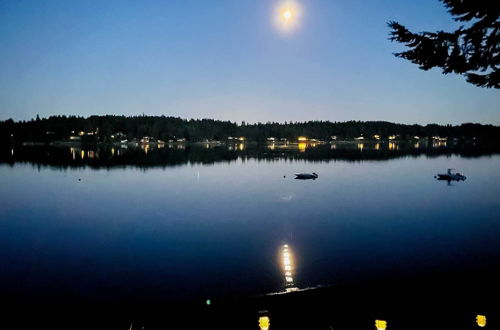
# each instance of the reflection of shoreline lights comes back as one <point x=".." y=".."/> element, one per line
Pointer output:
<point x="287" y="261"/>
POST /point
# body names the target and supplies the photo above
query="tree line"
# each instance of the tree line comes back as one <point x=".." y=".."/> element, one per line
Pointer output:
<point x="56" y="128"/>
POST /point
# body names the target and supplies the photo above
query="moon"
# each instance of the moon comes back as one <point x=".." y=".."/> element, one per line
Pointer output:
<point x="287" y="16"/>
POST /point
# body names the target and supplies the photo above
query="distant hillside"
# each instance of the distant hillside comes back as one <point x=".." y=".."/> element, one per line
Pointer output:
<point x="105" y="129"/>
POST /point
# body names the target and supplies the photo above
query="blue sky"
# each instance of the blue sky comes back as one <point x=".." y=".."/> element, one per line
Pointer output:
<point x="225" y="59"/>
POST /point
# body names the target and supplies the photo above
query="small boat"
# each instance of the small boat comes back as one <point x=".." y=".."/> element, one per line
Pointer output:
<point x="306" y="176"/>
<point x="450" y="176"/>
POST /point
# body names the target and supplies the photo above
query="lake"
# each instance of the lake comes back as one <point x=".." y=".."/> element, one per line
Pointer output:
<point x="185" y="224"/>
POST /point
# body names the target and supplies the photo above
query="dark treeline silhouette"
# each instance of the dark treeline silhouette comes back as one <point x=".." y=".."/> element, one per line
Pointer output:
<point x="57" y="128"/>
<point x="471" y="50"/>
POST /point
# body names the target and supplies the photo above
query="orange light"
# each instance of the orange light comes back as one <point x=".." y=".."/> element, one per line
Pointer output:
<point x="264" y="322"/>
<point x="380" y="324"/>
<point x="481" y="320"/>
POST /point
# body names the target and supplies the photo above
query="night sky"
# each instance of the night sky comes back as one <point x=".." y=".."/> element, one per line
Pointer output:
<point x="227" y="59"/>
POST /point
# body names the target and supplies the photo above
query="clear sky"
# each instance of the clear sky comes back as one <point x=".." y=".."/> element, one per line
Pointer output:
<point x="225" y="59"/>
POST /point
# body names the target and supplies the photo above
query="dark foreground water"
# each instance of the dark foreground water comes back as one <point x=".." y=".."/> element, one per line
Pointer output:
<point x="121" y="236"/>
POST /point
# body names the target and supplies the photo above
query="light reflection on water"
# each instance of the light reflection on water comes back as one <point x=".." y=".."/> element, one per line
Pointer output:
<point x="288" y="268"/>
<point x="179" y="231"/>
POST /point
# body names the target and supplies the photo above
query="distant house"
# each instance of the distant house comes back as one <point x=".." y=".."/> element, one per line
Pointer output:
<point x="392" y="137"/>
<point x="271" y="139"/>
<point x="376" y="137"/>
<point x="82" y="133"/>
<point x="302" y="139"/>
<point x="147" y="139"/>
<point x="359" y="138"/>
<point x="74" y="138"/>
<point x="119" y="136"/>
<point x="333" y="137"/>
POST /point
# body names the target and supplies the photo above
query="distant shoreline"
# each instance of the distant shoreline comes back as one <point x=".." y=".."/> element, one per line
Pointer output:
<point x="158" y="130"/>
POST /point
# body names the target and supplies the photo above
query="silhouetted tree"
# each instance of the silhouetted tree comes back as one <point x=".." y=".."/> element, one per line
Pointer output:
<point x="57" y="128"/>
<point x="472" y="51"/>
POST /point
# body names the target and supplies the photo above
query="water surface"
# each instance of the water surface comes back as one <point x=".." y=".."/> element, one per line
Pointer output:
<point x="212" y="226"/>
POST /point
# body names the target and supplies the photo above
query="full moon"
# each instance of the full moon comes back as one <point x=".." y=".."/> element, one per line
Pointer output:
<point x="287" y="15"/>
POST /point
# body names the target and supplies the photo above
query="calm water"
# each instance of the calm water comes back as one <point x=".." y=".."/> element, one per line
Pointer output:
<point x="212" y="226"/>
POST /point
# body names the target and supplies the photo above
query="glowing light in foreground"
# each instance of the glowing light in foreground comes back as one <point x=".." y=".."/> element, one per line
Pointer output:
<point x="264" y="323"/>
<point x="287" y="14"/>
<point x="481" y="320"/>
<point x="380" y="324"/>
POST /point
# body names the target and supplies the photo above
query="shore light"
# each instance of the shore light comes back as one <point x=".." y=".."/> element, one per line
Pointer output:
<point x="380" y="324"/>
<point x="264" y="322"/>
<point x="481" y="320"/>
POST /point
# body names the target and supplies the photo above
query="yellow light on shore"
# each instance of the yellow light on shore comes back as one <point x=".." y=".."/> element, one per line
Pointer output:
<point x="481" y="320"/>
<point x="380" y="324"/>
<point x="264" y="323"/>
